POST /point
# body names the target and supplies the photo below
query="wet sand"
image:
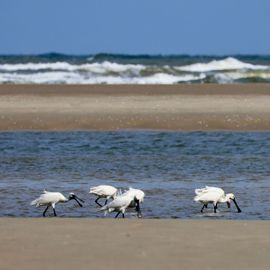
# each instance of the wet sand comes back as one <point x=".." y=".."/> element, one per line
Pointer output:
<point x="53" y="243"/>
<point x="240" y="107"/>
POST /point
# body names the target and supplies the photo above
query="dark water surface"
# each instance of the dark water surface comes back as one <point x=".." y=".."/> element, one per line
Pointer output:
<point x="168" y="166"/>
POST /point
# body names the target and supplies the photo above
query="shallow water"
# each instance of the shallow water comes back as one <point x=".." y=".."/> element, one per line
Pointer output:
<point x="168" y="166"/>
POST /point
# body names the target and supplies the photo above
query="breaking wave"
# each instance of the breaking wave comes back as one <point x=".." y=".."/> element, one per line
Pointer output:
<point x="110" y="69"/>
<point x="229" y="63"/>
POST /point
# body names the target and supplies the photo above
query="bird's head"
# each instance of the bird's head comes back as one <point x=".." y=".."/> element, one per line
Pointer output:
<point x="231" y="197"/>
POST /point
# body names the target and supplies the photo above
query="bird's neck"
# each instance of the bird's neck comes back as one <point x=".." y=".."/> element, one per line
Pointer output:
<point x="223" y="199"/>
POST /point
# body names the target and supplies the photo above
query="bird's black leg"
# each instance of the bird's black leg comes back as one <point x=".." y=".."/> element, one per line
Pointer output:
<point x="96" y="201"/>
<point x="215" y="208"/>
<point x="54" y="212"/>
<point x="117" y="214"/>
<point x="228" y="204"/>
<point x="204" y="206"/>
<point x="45" y="210"/>
<point x="106" y="202"/>
<point x="123" y="215"/>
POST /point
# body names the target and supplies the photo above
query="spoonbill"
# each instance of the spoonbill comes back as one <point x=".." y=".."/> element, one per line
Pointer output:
<point x="214" y="195"/>
<point x="52" y="198"/>
<point x="206" y="189"/>
<point x="139" y="195"/>
<point x="103" y="191"/>
<point x="120" y="204"/>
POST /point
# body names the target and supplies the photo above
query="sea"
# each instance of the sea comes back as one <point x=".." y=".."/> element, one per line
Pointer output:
<point x="167" y="166"/>
<point x="55" y="68"/>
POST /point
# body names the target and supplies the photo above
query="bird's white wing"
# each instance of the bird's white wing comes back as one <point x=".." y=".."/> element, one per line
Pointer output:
<point x="48" y="197"/>
<point x="207" y="189"/>
<point x="117" y="203"/>
<point x="139" y="194"/>
<point x="103" y="190"/>
<point x="210" y="196"/>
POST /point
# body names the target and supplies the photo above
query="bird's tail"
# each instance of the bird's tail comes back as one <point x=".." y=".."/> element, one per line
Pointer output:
<point x="34" y="202"/>
<point x="201" y="190"/>
<point x="198" y="191"/>
<point x="93" y="189"/>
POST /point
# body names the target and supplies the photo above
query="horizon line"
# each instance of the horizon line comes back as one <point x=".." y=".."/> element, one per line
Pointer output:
<point x="136" y="54"/>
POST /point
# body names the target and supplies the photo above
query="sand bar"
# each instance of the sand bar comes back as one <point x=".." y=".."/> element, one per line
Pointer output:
<point x="112" y="107"/>
<point x="64" y="243"/>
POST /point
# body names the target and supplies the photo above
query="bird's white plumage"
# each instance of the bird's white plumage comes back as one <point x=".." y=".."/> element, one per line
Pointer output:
<point x="119" y="204"/>
<point x="212" y="195"/>
<point x="49" y="198"/>
<point x="206" y="189"/>
<point x="136" y="193"/>
<point x="104" y="191"/>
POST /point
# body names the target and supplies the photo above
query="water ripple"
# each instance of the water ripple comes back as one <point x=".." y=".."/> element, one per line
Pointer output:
<point x="167" y="165"/>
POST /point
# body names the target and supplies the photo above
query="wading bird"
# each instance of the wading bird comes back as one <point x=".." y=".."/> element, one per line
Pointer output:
<point x="121" y="203"/>
<point x="103" y="191"/>
<point x="139" y="195"/>
<point x="214" y="195"/>
<point x="52" y="198"/>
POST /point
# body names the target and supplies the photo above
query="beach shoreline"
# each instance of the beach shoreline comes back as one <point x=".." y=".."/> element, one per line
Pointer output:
<point x="64" y="243"/>
<point x="183" y="107"/>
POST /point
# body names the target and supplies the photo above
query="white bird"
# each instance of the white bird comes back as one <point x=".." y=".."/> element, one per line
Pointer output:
<point x="139" y="195"/>
<point x="214" y="195"/>
<point x="103" y="191"/>
<point x="52" y="198"/>
<point x="120" y="204"/>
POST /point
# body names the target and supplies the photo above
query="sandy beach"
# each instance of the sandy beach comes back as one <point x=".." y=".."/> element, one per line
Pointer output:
<point x="133" y="244"/>
<point x="112" y="107"/>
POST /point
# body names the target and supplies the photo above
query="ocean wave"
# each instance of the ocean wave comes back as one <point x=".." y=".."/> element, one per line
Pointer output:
<point x="76" y="78"/>
<point x="230" y="77"/>
<point x="61" y="69"/>
<point x="228" y="63"/>
<point x="104" y="67"/>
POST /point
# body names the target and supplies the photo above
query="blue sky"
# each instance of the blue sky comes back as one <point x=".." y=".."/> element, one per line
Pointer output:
<point x="135" y="27"/>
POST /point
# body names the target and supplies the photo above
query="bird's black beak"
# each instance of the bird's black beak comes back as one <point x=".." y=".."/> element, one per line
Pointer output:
<point x="238" y="208"/>
<point x="229" y="204"/>
<point x="78" y="200"/>
<point x="138" y="209"/>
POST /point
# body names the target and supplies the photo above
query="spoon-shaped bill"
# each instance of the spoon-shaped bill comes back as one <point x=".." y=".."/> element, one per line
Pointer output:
<point x="238" y="208"/>
<point x="138" y="209"/>
<point x="78" y="200"/>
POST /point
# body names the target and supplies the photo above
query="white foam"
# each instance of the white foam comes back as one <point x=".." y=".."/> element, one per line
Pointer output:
<point x="115" y="73"/>
<point x="229" y="63"/>
<point x="37" y="66"/>
<point x="41" y="77"/>
<point x="78" y="78"/>
<point x="104" y="67"/>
